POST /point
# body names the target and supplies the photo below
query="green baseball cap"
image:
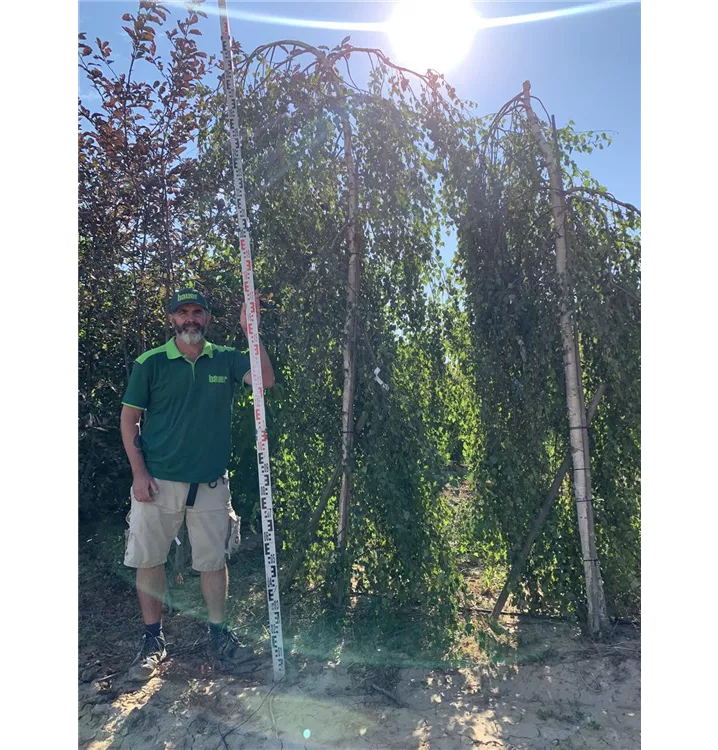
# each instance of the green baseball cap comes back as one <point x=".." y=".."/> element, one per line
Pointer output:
<point x="187" y="296"/>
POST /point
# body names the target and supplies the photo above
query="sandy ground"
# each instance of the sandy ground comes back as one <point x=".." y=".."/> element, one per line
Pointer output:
<point x="547" y="686"/>
<point x="565" y="692"/>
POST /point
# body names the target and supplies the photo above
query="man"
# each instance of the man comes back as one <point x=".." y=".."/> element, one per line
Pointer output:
<point x="184" y="390"/>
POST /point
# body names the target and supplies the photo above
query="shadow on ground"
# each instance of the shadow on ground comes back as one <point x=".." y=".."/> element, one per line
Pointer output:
<point x="555" y="688"/>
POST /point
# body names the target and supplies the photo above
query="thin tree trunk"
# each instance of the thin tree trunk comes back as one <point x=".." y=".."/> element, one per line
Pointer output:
<point x="597" y="616"/>
<point x="519" y="561"/>
<point x="601" y="622"/>
<point x="350" y="344"/>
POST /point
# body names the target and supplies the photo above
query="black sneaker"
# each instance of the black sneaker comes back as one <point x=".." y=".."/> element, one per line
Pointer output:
<point x="224" y="645"/>
<point x="152" y="653"/>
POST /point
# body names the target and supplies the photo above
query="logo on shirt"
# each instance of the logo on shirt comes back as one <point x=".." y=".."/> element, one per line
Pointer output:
<point x="217" y="378"/>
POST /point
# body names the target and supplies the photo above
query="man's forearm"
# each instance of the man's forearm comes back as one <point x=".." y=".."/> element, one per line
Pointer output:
<point x="130" y="429"/>
<point x="267" y="369"/>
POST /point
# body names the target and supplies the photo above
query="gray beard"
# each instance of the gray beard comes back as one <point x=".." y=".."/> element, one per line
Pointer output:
<point x="190" y="337"/>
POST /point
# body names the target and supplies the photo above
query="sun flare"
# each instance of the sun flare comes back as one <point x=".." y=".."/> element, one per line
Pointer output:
<point x="433" y="34"/>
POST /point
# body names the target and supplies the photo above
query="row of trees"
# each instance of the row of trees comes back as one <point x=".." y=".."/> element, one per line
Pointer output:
<point x="348" y="191"/>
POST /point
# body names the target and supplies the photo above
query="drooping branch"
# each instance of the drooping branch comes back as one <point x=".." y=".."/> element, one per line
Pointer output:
<point x="603" y="194"/>
<point x="328" y="60"/>
<point x="316" y="517"/>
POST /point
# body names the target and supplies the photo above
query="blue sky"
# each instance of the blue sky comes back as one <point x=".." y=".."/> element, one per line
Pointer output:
<point x="585" y="67"/>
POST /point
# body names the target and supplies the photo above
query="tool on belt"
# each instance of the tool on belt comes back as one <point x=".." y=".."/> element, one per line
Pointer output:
<point x="234" y="536"/>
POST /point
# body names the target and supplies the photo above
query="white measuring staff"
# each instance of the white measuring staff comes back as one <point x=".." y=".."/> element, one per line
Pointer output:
<point x="265" y="482"/>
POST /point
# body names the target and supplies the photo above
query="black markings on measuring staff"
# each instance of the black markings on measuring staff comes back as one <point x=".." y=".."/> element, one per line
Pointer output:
<point x="265" y="489"/>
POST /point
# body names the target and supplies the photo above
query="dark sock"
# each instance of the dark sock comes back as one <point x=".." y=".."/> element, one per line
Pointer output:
<point x="155" y="629"/>
<point x="215" y="628"/>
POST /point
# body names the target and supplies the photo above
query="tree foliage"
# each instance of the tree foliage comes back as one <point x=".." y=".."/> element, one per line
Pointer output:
<point x="470" y="354"/>
<point x="506" y="270"/>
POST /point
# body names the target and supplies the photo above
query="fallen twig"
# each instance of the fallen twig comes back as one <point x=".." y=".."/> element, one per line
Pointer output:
<point x="387" y="694"/>
<point x="106" y="677"/>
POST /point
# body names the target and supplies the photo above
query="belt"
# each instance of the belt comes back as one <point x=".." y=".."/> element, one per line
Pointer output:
<point x="192" y="494"/>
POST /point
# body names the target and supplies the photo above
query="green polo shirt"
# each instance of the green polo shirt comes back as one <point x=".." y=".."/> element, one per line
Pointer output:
<point x="187" y="425"/>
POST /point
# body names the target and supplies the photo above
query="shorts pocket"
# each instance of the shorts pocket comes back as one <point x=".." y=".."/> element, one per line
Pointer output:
<point x="234" y="536"/>
<point x="127" y="530"/>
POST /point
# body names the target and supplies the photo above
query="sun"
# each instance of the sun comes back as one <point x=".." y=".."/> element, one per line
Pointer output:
<point x="433" y="34"/>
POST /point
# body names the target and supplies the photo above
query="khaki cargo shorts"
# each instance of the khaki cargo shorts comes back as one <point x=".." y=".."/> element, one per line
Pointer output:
<point x="211" y="524"/>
